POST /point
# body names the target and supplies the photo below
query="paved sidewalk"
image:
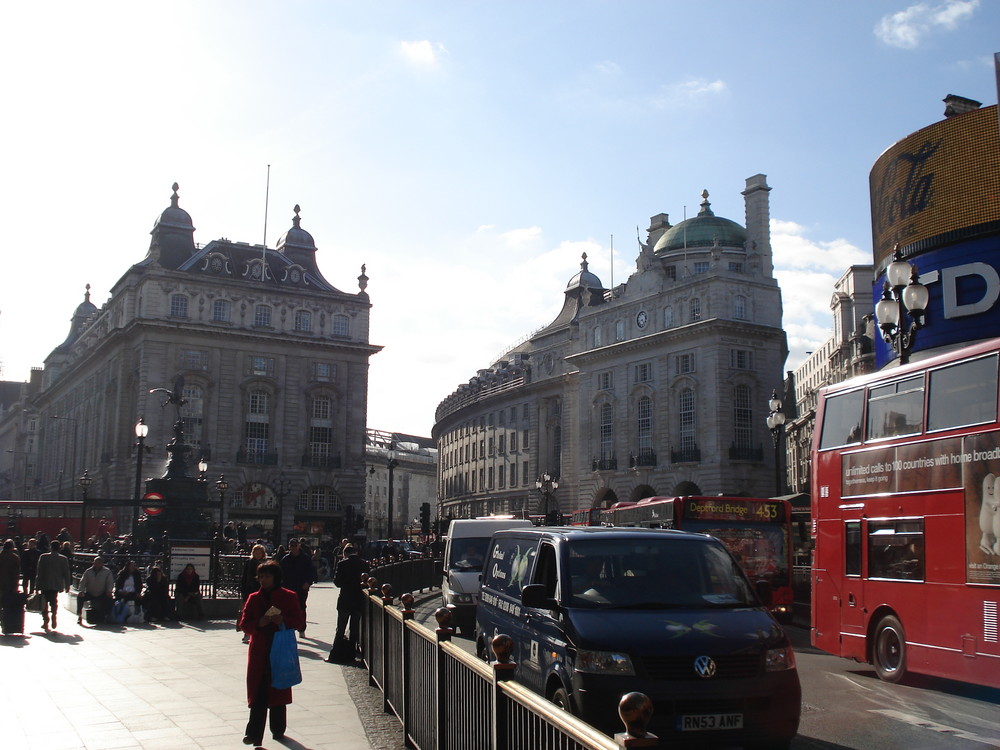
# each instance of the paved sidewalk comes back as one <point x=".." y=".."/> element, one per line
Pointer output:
<point x="178" y="686"/>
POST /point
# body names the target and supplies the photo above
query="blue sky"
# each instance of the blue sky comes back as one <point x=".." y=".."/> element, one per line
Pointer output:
<point x="466" y="152"/>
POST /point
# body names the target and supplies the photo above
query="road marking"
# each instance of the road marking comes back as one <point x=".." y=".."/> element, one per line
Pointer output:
<point x="917" y="721"/>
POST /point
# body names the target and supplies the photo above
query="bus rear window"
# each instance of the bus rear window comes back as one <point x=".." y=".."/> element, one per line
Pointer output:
<point x="896" y="409"/>
<point x="842" y="420"/>
<point x="963" y="394"/>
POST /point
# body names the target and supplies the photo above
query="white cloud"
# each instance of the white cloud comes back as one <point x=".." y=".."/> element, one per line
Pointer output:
<point x="692" y="91"/>
<point x="907" y="28"/>
<point x="424" y="52"/>
<point x="792" y="249"/>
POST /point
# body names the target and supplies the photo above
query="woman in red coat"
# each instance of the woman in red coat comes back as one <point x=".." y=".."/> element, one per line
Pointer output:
<point x="261" y="627"/>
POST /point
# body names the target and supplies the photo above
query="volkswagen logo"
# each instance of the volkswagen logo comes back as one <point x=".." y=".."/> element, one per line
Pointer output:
<point x="705" y="666"/>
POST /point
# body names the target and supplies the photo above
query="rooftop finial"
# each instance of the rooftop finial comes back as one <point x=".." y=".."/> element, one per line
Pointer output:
<point x="583" y="263"/>
<point x="296" y="220"/>
<point x="86" y="296"/>
<point x="706" y="207"/>
<point x="174" y="198"/>
<point x="362" y="279"/>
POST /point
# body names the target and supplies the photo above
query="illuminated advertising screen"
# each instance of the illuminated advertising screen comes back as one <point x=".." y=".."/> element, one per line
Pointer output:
<point x="933" y="185"/>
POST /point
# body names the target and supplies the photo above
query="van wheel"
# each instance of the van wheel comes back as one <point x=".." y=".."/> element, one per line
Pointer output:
<point x="561" y="698"/>
<point x="889" y="650"/>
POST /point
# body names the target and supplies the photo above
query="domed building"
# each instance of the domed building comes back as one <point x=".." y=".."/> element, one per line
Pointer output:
<point x="271" y="361"/>
<point x="658" y="386"/>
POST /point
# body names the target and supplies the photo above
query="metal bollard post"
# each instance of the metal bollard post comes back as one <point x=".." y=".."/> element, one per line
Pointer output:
<point x="635" y="710"/>
<point x="444" y="630"/>
<point x="444" y="633"/>
<point x="406" y="601"/>
<point x="387" y="600"/>
<point x="503" y="669"/>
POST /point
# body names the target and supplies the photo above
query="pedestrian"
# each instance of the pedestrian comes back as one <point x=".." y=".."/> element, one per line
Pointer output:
<point x="52" y="576"/>
<point x="187" y="590"/>
<point x="299" y="574"/>
<point x="96" y="586"/>
<point x="156" y="602"/>
<point x="10" y="569"/>
<point x="249" y="584"/>
<point x="265" y="610"/>
<point x="29" y="564"/>
<point x="350" y="604"/>
<point x="128" y="585"/>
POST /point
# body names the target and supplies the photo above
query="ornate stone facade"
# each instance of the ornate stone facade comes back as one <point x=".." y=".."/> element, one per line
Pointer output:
<point x="658" y="386"/>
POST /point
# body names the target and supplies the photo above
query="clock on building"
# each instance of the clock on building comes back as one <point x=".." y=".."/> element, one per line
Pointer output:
<point x="641" y="319"/>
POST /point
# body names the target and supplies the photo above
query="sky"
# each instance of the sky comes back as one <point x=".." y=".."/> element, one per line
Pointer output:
<point x="466" y="152"/>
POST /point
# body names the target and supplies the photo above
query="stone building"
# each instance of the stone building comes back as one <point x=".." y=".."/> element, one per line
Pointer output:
<point x="658" y="386"/>
<point x="414" y="482"/>
<point x="270" y="358"/>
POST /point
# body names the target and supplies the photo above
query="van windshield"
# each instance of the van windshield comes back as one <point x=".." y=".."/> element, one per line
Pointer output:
<point x="467" y="553"/>
<point x="654" y="574"/>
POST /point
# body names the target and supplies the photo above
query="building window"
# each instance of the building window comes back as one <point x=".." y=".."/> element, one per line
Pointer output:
<point x="178" y="306"/>
<point x="701" y="266"/>
<point x="513" y="445"/>
<point x="668" y="317"/>
<point x="303" y="321"/>
<point x="524" y="472"/>
<point x="644" y="414"/>
<point x="619" y="330"/>
<point x="324" y="372"/>
<point x="606" y="381"/>
<point x="607" y="431"/>
<point x="489" y="476"/>
<point x="192" y="414"/>
<point x="221" y="311"/>
<point x="695" y="310"/>
<point x="194" y="359"/>
<point x="741" y="359"/>
<point x="319" y="500"/>
<point x="502" y="443"/>
<point x="671" y="272"/>
<point x="262" y="316"/>
<point x="257" y="425"/>
<point x="740" y="307"/>
<point x="341" y="325"/>
<point x="643" y="372"/>
<point x="686" y="414"/>
<point x="513" y="474"/>
<point x="502" y="476"/>
<point x="597" y="336"/>
<point x="258" y="365"/>
<point x="685" y="363"/>
<point x="742" y="418"/>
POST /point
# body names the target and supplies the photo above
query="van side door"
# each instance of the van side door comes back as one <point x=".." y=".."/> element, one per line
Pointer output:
<point x="544" y="639"/>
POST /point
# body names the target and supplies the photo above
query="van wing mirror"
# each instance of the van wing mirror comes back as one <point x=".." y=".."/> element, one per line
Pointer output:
<point x="533" y="595"/>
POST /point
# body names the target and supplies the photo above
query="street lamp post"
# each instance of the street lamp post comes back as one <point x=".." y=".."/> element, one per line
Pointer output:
<point x="222" y="485"/>
<point x="85" y="482"/>
<point x="776" y="424"/>
<point x="547" y="486"/>
<point x="141" y="431"/>
<point x="900" y="312"/>
<point x="391" y="463"/>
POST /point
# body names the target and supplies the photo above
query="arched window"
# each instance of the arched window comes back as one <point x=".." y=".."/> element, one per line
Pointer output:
<point x="192" y="414"/>
<point x="178" y="306"/>
<point x="341" y="325"/>
<point x="686" y="415"/>
<point x="303" y="321"/>
<point x="644" y="419"/>
<point x="695" y="310"/>
<point x="742" y="418"/>
<point x="740" y="307"/>
<point x="257" y="426"/>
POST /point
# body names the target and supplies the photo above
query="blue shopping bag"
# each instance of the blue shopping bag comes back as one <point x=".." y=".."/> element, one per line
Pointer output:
<point x="285" y="670"/>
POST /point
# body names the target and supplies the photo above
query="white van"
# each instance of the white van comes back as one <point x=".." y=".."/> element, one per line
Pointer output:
<point x="464" y="552"/>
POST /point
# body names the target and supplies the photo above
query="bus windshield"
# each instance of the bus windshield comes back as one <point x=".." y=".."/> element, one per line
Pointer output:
<point x="761" y="549"/>
<point x="654" y="574"/>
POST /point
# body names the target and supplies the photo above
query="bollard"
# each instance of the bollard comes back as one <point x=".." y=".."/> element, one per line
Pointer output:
<point x="635" y="710"/>
<point x="503" y="670"/>
<point x="503" y="646"/>
<point x="372" y="584"/>
<point x="387" y="597"/>
<point x="443" y="617"/>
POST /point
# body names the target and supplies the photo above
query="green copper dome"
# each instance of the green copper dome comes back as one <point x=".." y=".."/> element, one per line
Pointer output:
<point x="704" y="230"/>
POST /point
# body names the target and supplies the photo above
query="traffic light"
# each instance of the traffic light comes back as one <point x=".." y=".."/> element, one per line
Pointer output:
<point x="425" y="518"/>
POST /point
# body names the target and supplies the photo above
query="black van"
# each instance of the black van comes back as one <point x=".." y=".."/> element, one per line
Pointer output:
<point x="599" y="612"/>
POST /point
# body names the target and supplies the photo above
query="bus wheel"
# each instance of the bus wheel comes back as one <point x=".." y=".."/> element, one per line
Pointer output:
<point x="889" y="652"/>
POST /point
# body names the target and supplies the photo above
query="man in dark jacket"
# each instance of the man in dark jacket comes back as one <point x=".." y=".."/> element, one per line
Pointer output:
<point x="349" y="603"/>
<point x="29" y="564"/>
<point x="298" y="574"/>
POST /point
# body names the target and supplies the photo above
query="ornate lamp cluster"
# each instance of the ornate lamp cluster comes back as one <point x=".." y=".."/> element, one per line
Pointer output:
<point x="900" y="312"/>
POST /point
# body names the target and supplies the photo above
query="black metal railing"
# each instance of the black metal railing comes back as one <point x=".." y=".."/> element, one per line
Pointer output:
<point x="642" y="458"/>
<point x="685" y="455"/>
<point x="447" y="699"/>
<point x="745" y="453"/>
<point x="605" y="464"/>
<point x="320" y="462"/>
<point x="261" y="458"/>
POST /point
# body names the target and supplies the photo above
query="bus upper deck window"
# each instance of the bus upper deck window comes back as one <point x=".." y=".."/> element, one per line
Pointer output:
<point x="842" y="420"/>
<point x="963" y="394"/>
<point x="896" y="409"/>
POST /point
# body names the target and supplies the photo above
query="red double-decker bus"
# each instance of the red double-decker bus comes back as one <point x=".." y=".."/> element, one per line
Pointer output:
<point x="27" y="517"/>
<point x="585" y="517"/>
<point x="906" y="518"/>
<point x="756" y="530"/>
